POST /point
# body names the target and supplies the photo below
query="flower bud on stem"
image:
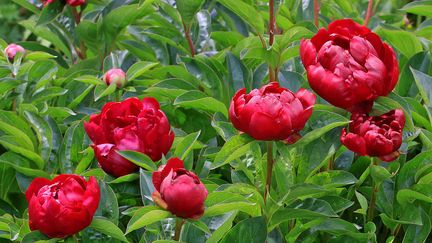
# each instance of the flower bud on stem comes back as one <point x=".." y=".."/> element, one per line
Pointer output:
<point x="270" y="162"/>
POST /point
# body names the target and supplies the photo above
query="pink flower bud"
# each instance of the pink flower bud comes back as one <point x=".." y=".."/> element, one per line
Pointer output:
<point x="12" y="50"/>
<point x="116" y="76"/>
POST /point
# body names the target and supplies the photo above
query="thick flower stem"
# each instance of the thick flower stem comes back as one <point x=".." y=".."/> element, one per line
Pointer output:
<point x="316" y="12"/>
<point x="371" y="209"/>
<point x="178" y="228"/>
<point x="189" y="40"/>
<point x="368" y="13"/>
<point x="270" y="162"/>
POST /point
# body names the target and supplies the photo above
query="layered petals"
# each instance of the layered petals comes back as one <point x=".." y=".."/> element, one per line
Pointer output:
<point x="133" y="124"/>
<point x="378" y="136"/>
<point x="272" y="112"/>
<point x="63" y="206"/>
<point x="349" y="66"/>
<point x="179" y="191"/>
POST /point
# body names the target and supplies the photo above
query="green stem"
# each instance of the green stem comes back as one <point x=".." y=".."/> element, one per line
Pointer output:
<point x="371" y="210"/>
<point x="270" y="162"/>
<point x="178" y="228"/>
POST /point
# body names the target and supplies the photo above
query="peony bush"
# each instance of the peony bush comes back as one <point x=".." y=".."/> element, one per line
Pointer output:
<point x="215" y="121"/>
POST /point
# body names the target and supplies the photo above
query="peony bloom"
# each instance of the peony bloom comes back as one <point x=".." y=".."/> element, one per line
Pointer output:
<point x="63" y="206"/>
<point x="379" y="136"/>
<point x="349" y="66"/>
<point x="178" y="190"/>
<point x="11" y="51"/>
<point x="116" y="76"/>
<point x="129" y="125"/>
<point x="271" y="112"/>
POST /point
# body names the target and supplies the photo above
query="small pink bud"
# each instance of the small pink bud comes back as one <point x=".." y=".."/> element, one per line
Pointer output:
<point x="11" y="51"/>
<point x="116" y="76"/>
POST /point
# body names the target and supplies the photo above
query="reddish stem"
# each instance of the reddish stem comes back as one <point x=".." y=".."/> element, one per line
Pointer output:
<point x="272" y="22"/>
<point x="272" y="25"/>
<point x="316" y="12"/>
<point x="368" y="13"/>
<point x="77" y="15"/>
<point x="189" y="40"/>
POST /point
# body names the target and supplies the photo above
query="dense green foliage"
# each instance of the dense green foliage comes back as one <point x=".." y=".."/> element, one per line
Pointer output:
<point x="321" y="192"/>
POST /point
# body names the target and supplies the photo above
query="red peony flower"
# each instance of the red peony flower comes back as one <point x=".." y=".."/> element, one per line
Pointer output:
<point x="116" y="76"/>
<point x="272" y="112"/>
<point x="129" y="125"/>
<point x="178" y="190"/>
<point x="379" y="136"/>
<point x="63" y="206"/>
<point x="349" y="66"/>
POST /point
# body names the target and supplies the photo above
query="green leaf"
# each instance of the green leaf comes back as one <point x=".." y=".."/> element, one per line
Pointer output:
<point x="418" y="233"/>
<point x="14" y="144"/>
<point x="44" y="133"/>
<point x="188" y="9"/>
<point x="119" y="18"/>
<point x="47" y="94"/>
<point x="39" y="55"/>
<point x="26" y="171"/>
<point x="140" y="159"/>
<point x="198" y="100"/>
<point x="423" y="8"/>
<point x="100" y="93"/>
<point x="363" y="203"/>
<point x="50" y="12"/>
<point x="89" y="79"/>
<point x="148" y="218"/>
<point x="226" y="222"/>
<point x="333" y="178"/>
<point x="85" y="161"/>
<point x="379" y="174"/>
<point x="236" y="147"/>
<point x="138" y="69"/>
<point x="37" y="236"/>
<point x="245" y="11"/>
<point x="424" y="85"/>
<point x="186" y="145"/>
<point x="108" y="228"/>
<point x="7" y="84"/>
<point x="317" y="133"/>
<point x="405" y="42"/>
<point x="251" y="230"/>
<point x="223" y="208"/>
<point x="407" y="196"/>
<point x="125" y="178"/>
<point x="27" y="5"/>
<point x="287" y="214"/>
